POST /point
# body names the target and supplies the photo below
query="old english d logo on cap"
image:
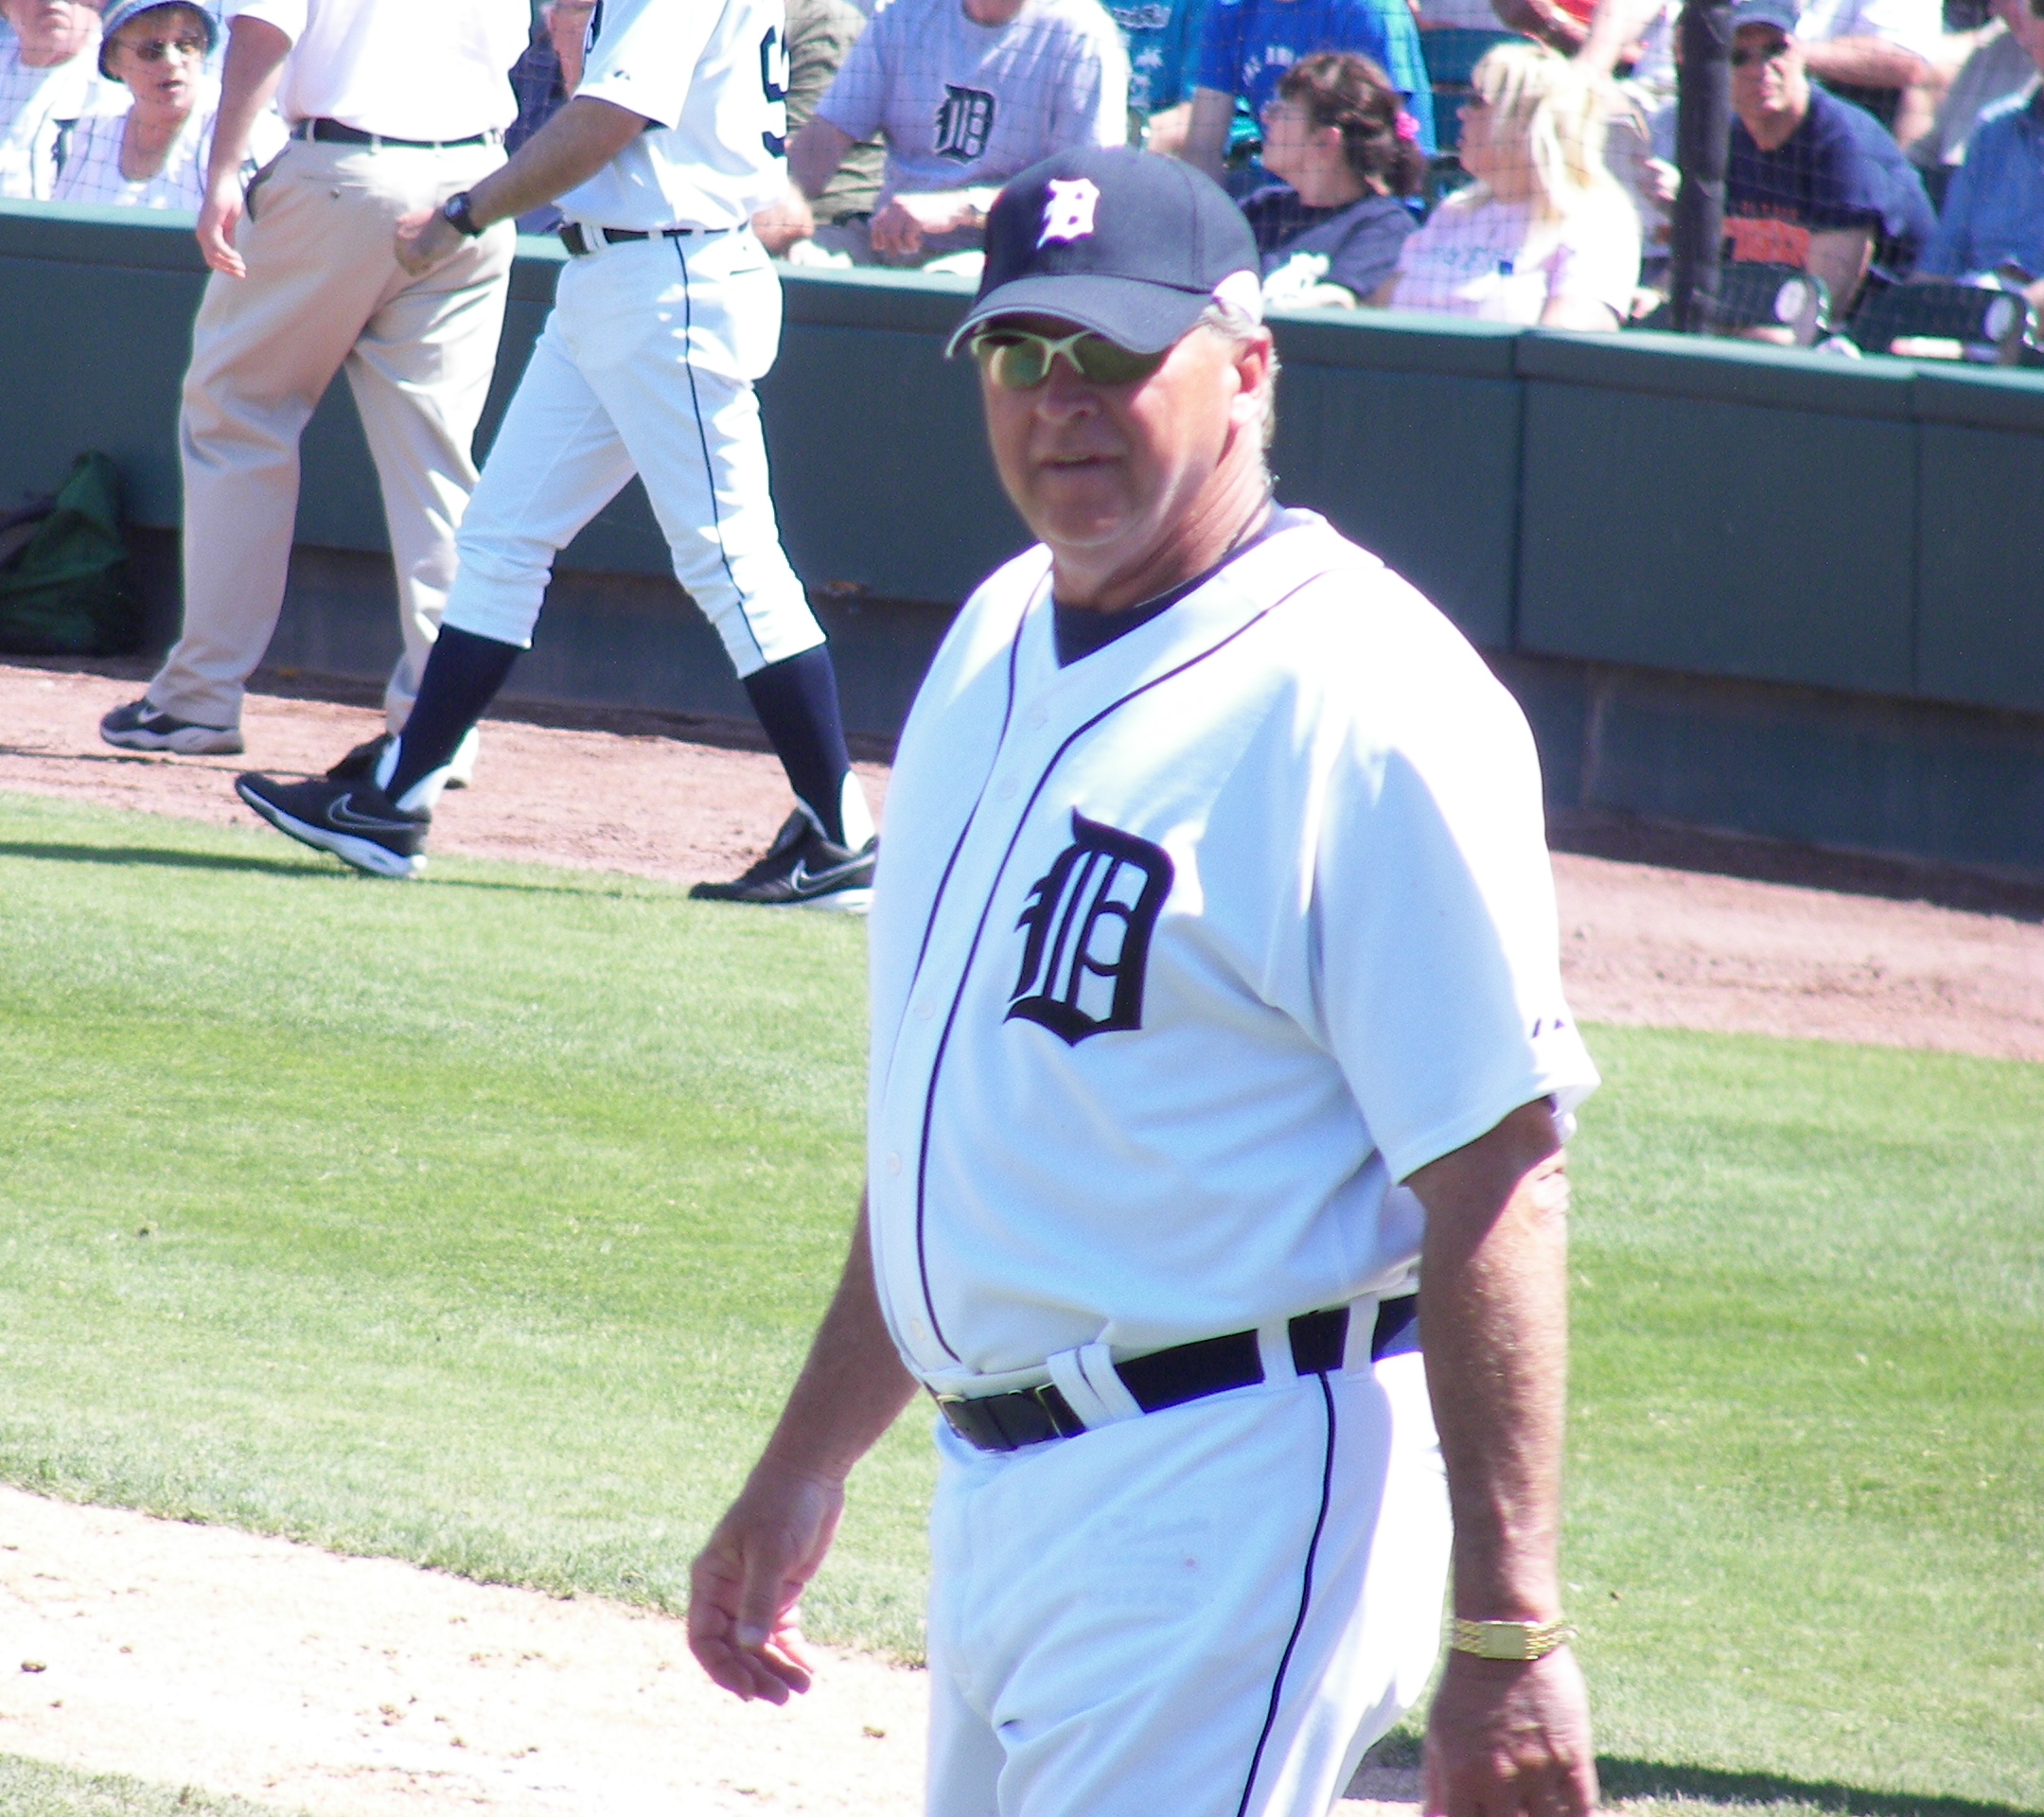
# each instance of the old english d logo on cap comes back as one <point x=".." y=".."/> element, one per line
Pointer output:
<point x="1068" y="209"/>
<point x="1126" y="243"/>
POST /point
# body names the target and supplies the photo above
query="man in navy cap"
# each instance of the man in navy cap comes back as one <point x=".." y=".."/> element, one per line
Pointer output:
<point x="1813" y="180"/>
<point x="1218" y="1049"/>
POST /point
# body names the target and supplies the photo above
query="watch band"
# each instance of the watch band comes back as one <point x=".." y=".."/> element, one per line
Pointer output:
<point x="1519" y="1640"/>
<point x="456" y="209"/>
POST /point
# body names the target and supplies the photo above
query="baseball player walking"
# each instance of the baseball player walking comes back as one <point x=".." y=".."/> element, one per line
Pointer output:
<point x="1219" y="1051"/>
<point x="667" y="312"/>
<point x="392" y="108"/>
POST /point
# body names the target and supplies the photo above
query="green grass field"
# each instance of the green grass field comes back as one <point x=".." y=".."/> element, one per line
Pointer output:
<point x="487" y="1218"/>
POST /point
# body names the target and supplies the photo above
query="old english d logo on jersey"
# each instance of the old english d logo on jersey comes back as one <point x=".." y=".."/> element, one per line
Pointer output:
<point x="964" y="123"/>
<point x="1089" y="920"/>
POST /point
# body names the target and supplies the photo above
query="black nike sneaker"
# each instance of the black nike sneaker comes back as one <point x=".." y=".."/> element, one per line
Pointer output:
<point x="803" y="870"/>
<point x="351" y="817"/>
<point x="139" y="727"/>
<point x="362" y="761"/>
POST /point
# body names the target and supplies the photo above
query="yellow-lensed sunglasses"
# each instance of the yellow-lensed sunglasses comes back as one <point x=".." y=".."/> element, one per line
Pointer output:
<point x="1019" y="360"/>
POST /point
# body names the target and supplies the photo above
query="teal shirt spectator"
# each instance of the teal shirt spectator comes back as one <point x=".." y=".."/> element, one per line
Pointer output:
<point x="1248" y="46"/>
<point x="1994" y="212"/>
<point x="1163" y="39"/>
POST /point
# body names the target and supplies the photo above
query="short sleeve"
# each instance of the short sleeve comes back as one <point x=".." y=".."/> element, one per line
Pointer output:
<point x="1848" y="187"/>
<point x="1598" y="258"/>
<point x="1434" y="916"/>
<point x="644" y="58"/>
<point x="821" y="34"/>
<point x="1369" y="253"/>
<point x="855" y="102"/>
<point x="1914" y="24"/>
<point x="1091" y="105"/>
<point x="1220" y="53"/>
<point x="288" y="16"/>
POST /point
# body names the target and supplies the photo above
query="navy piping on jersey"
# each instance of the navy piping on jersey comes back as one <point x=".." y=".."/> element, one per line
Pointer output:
<point x="972" y="951"/>
<point x="702" y="441"/>
<point x="1298" y="1624"/>
<point x="929" y="927"/>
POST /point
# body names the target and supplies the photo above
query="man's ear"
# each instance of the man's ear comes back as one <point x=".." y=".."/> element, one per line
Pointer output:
<point x="1255" y="370"/>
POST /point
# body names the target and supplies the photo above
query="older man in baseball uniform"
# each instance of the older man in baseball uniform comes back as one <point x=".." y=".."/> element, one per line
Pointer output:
<point x="392" y="108"/>
<point x="667" y="312"/>
<point x="1218" y="1053"/>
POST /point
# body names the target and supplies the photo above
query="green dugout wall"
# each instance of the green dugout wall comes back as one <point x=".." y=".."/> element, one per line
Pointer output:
<point x="1734" y="585"/>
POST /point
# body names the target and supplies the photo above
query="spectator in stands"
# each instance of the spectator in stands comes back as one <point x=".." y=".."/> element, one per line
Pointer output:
<point x="1993" y="223"/>
<point x="1545" y="235"/>
<point x="1875" y="53"/>
<point x="967" y="92"/>
<point x="1338" y="136"/>
<point x="154" y="154"/>
<point x="48" y="79"/>
<point x="542" y="79"/>
<point x="1813" y="181"/>
<point x="1999" y="68"/>
<point x="821" y="34"/>
<point x="1248" y="44"/>
<point x="1163" y="42"/>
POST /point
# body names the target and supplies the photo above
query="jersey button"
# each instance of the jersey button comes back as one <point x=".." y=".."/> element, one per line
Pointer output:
<point x="920" y="1327"/>
<point x="923" y="1011"/>
<point x="1007" y="790"/>
<point x="1037" y="716"/>
<point x="894" y="1163"/>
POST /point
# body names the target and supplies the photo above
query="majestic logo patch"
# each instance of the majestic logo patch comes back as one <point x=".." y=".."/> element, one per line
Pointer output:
<point x="964" y="124"/>
<point x="1068" y="211"/>
<point x="1089" y="919"/>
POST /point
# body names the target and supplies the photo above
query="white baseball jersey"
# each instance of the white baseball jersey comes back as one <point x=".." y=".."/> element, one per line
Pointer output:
<point x="965" y="104"/>
<point x="713" y="82"/>
<point x="438" y="71"/>
<point x="1184" y="953"/>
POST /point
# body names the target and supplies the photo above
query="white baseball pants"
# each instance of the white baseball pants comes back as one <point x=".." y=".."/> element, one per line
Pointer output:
<point x="325" y="293"/>
<point x="1209" y="1611"/>
<point x="646" y="365"/>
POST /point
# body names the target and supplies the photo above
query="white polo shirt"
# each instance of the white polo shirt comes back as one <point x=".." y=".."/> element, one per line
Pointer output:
<point x="713" y="80"/>
<point x="412" y="69"/>
<point x="1184" y="953"/>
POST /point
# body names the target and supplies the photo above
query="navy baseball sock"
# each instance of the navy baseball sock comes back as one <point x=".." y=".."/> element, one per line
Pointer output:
<point x="462" y="678"/>
<point x="797" y="703"/>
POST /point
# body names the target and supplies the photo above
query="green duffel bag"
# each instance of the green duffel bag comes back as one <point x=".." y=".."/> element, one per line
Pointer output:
<point x="63" y="585"/>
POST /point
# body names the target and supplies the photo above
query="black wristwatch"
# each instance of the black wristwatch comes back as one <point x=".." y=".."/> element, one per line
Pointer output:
<point x="456" y="209"/>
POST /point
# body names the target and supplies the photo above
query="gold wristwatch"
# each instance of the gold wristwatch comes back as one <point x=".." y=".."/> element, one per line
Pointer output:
<point x="1509" y="1639"/>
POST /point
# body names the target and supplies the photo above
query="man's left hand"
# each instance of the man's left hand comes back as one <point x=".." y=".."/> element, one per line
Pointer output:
<point x="900" y="228"/>
<point x="426" y="239"/>
<point x="1507" y="1737"/>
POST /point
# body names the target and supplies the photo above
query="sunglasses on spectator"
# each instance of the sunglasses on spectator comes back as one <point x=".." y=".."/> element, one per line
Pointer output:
<point x="1017" y="359"/>
<point x="153" y="50"/>
<point x="1773" y="53"/>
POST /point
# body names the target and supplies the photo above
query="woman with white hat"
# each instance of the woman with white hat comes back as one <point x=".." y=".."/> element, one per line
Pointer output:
<point x="153" y="152"/>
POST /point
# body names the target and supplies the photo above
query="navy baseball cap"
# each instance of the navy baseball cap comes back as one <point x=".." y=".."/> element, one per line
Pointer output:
<point x="1784" y="15"/>
<point x="1130" y="244"/>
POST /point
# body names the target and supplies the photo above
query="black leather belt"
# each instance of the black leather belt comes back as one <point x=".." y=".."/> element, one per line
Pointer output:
<point x="1168" y="1377"/>
<point x="335" y="133"/>
<point x="581" y="241"/>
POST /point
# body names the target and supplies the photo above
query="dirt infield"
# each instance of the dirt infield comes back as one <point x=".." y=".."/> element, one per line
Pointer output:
<point x="366" y="1688"/>
<point x="1658" y="926"/>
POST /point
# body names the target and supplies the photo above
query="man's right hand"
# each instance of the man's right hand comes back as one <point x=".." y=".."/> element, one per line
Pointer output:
<point x="218" y="221"/>
<point x="745" y="1585"/>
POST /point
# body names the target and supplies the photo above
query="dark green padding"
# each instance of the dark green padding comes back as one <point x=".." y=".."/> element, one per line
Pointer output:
<point x="1711" y="507"/>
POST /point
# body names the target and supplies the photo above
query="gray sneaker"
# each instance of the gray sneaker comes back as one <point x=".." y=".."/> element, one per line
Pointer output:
<point x="139" y="726"/>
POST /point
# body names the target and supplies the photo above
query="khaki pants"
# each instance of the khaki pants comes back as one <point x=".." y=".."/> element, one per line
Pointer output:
<point x="324" y="290"/>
